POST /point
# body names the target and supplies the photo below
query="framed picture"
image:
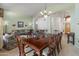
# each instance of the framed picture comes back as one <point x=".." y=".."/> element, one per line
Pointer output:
<point x="20" y="24"/>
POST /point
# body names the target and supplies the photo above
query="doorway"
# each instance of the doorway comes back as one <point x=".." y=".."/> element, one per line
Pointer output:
<point x="67" y="24"/>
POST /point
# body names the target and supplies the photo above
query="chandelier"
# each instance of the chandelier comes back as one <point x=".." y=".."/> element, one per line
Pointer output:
<point x="45" y="13"/>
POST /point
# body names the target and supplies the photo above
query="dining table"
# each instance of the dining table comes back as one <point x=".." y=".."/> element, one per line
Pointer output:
<point x="38" y="45"/>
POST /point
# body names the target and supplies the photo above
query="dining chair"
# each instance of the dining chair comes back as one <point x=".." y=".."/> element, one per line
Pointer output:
<point x="22" y="46"/>
<point x="52" y="46"/>
<point x="61" y="34"/>
<point x="58" y="41"/>
<point x="56" y="38"/>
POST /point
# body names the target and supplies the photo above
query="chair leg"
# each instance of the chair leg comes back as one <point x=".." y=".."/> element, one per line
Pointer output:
<point x="35" y="54"/>
<point x="50" y="52"/>
<point x="58" y="49"/>
<point x="60" y="45"/>
<point x="39" y="53"/>
<point x="54" y="52"/>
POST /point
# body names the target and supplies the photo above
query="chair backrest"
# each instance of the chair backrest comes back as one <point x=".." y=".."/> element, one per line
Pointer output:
<point x="59" y="37"/>
<point x="56" y="38"/>
<point x="18" y="39"/>
<point x="51" y="39"/>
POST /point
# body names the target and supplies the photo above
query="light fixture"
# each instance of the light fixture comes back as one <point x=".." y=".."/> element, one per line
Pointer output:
<point x="45" y="13"/>
<point x="30" y="24"/>
<point x="6" y="23"/>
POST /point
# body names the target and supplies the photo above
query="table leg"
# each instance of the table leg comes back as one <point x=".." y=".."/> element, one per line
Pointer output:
<point x="39" y="53"/>
<point x="35" y="54"/>
<point x="73" y="39"/>
<point x="22" y="50"/>
<point x="67" y="38"/>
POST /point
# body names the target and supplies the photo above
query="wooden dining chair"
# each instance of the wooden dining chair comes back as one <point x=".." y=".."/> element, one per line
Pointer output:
<point x="56" y="39"/>
<point x="22" y="46"/>
<point x="52" y="46"/>
<point x="58" y="42"/>
<point x="61" y="34"/>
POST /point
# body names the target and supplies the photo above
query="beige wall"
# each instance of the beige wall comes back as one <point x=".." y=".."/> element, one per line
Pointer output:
<point x="1" y="32"/>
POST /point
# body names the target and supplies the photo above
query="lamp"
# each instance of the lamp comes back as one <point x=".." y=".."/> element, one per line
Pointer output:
<point x="45" y="13"/>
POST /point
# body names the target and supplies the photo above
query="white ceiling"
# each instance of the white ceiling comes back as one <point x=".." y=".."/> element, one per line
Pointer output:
<point x="31" y="9"/>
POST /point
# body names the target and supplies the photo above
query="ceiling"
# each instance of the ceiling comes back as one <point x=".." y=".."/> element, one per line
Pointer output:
<point x="32" y="9"/>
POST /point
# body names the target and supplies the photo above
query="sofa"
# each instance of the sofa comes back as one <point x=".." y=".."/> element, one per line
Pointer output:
<point x="9" y="42"/>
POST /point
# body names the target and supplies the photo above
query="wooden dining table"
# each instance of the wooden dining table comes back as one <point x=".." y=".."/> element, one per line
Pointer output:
<point x="36" y="44"/>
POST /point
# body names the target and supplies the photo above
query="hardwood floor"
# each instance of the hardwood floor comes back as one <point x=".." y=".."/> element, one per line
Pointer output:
<point x="67" y="50"/>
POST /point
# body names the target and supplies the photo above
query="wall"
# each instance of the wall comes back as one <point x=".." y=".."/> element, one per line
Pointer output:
<point x="75" y="24"/>
<point x="1" y="32"/>
<point x="1" y="27"/>
<point x="13" y="19"/>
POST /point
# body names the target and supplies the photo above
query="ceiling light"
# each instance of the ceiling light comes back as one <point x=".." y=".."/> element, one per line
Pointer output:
<point x="41" y="13"/>
<point x="45" y="13"/>
<point x="30" y="24"/>
<point x="50" y="12"/>
<point x="45" y="16"/>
